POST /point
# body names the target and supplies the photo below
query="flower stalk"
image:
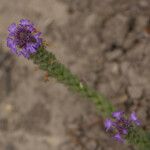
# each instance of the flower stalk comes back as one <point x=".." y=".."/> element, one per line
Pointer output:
<point x="48" y="62"/>
<point x="23" y="39"/>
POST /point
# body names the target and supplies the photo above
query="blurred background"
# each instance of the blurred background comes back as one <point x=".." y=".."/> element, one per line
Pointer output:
<point x="104" y="42"/>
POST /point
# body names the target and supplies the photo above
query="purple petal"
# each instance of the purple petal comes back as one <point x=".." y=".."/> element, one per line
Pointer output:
<point x="133" y="116"/>
<point x="31" y="48"/>
<point x="39" y="43"/>
<point x="37" y="35"/>
<point x="25" y="22"/>
<point x="118" y="138"/>
<point x="12" y="29"/>
<point x="25" y="53"/>
<point x="31" y="28"/>
<point x="108" y="124"/>
<point x="134" y="119"/>
<point x="124" y="131"/>
<point x="38" y="40"/>
<point x="118" y="114"/>
<point x="11" y="45"/>
<point x="28" y="24"/>
<point x="138" y="122"/>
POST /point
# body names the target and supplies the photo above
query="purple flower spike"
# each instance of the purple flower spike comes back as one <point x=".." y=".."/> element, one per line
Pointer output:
<point x="118" y="114"/>
<point x="23" y="38"/>
<point x="118" y="138"/>
<point x="108" y="124"/>
<point x="134" y="119"/>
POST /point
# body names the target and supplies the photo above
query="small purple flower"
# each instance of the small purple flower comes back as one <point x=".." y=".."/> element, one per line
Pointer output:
<point x="108" y="124"/>
<point x="23" y="39"/>
<point x="119" y="125"/>
<point x="134" y="119"/>
<point x="118" y="138"/>
<point x="118" y="114"/>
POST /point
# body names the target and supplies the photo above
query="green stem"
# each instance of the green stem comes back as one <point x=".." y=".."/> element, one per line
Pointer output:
<point x="48" y="62"/>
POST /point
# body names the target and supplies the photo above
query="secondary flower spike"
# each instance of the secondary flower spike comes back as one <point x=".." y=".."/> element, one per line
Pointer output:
<point x="119" y="125"/>
<point x="23" y="39"/>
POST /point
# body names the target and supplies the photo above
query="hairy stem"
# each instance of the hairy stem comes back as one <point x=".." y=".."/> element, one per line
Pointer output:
<point x="48" y="62"/>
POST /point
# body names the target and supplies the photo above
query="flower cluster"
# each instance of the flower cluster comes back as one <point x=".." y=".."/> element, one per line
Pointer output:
<point x="23" y="39"/>
<point x="120" y="124"/>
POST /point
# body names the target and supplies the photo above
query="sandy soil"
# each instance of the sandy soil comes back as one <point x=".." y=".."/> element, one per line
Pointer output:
<point x="104" y="43"/>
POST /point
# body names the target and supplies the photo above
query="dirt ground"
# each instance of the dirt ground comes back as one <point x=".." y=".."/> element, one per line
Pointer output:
<point x="105" y="42"/>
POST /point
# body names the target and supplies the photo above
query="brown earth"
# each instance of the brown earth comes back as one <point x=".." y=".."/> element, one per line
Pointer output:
<point x="104" y="42"/>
